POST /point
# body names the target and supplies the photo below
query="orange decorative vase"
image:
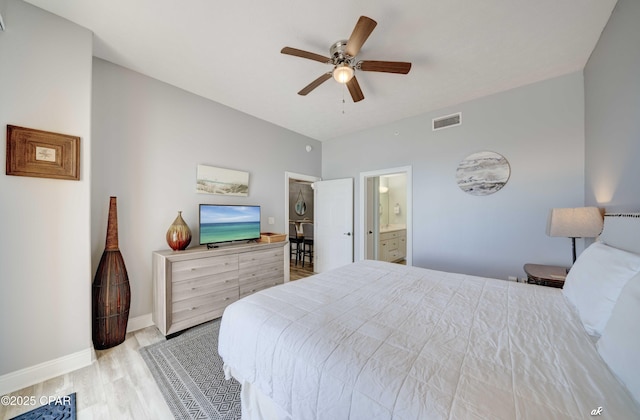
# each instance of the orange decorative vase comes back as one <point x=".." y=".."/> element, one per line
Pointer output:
<point x="111" y="291"/>
<point x="179" y="234"/>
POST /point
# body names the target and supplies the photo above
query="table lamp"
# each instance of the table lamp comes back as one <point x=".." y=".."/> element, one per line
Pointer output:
<point x="580" y="222"/>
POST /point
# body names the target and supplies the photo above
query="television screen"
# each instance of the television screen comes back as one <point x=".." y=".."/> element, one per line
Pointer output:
<point x="226" y="223"/>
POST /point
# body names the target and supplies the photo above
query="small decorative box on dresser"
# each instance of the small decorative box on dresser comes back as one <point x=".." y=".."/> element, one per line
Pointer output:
<point x="545" y="275"/>
<point x="196" y="285"/>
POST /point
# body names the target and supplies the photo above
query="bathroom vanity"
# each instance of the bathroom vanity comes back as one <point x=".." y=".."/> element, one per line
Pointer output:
<point x="393" y="244"/>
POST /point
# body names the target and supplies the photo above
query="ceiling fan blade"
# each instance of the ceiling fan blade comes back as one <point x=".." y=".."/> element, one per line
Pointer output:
<point x="354" y="89"/>
<point x="399" y="67"/>
<point x="360" y="33"/>
<point x="320" y="80"/>
<point x="305" y="54"/>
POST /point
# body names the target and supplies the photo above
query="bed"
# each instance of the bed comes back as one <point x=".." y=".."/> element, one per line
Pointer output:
<point x="379" y="340"/>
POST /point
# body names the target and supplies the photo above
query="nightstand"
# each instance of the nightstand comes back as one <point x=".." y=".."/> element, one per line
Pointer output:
<point x="545" y="275"/>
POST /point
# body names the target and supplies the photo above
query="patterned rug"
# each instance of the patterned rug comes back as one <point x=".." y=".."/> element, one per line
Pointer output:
<point x="64" y="408"/>
<point x="188" y="370"/>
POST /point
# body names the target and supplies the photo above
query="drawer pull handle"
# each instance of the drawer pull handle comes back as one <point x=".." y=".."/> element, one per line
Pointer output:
<point x="193" y="288"/>
<point x="253" y="290"/>
<point x="226" y="298"/>
<point x="193" y="308"/>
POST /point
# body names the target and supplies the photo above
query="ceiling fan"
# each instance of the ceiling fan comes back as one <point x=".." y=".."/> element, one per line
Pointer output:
<point x="343" y="59"/>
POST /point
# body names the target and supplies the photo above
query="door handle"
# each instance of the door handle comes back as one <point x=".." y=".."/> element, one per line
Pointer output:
<point x="348" y="233"/>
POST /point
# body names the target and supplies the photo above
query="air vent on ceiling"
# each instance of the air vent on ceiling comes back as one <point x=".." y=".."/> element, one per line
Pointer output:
<point x="447" y="121"/>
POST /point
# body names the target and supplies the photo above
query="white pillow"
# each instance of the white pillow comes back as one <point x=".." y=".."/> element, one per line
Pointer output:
<point x="619" y="344"/>
<point x="595" y="281"/>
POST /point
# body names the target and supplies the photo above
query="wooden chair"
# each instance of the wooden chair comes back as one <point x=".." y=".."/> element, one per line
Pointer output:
<point x="307" y="242"/>
<point x="294" y="240"/>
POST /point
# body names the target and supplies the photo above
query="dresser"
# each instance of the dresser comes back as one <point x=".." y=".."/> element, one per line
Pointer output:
<point x="392" y="245"/>
<point x="196" y="285"/>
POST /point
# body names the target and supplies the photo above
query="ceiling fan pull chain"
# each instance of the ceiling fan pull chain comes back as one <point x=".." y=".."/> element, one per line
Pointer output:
<point x="344" y="87"/>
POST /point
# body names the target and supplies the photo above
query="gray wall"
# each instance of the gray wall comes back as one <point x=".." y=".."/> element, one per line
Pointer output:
<point x="45" y="272"/>
<point x="612" y="95"/>
<point x="148" y="139"/>
<point x="539" y="128"/>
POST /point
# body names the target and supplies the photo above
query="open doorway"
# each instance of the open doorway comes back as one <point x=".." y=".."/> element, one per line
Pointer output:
<point x="299" y="217"/>
<point x="386" y="215"/>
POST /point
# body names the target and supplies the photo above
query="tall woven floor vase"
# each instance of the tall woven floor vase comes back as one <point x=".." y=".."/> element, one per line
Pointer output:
<point x="111" y="291"/>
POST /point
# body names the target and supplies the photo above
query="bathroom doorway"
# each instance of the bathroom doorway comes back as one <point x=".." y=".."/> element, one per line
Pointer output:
<point x="386" y="215"/>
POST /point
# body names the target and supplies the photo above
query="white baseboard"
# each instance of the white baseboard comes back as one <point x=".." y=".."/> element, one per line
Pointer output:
<point x="39" y="373"/>
<point x="139" y="322"/>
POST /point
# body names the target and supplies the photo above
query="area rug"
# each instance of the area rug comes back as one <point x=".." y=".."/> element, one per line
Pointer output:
<point x="63" y="408"/>
<point x="188" y="371"/>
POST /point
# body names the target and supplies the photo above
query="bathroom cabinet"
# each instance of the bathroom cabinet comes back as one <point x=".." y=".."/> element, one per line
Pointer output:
<point x="392" y="245"/>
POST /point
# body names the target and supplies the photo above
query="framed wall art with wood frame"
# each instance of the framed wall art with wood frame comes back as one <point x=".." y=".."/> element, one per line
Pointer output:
<point x="42" y="154"/>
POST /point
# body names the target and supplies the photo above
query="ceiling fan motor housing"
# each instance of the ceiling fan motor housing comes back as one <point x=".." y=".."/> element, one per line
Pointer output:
<point x="338" y="54"/>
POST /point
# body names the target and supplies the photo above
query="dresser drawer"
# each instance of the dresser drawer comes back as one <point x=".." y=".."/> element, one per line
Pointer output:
<point x="199" y="305"/>
<point x="256" y="259"/>
<point x="255" y="273"/>
<point x="200" y="267"/>
<point x="255" y="286"/>
<point x="203" y="285"/>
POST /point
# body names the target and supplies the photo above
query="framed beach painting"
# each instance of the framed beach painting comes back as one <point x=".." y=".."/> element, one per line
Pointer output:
<point x="212" y="180"/>
<point x="483" y="173"/>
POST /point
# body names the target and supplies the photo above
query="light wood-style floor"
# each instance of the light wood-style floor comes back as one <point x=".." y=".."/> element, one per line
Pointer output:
<point x="118" y="385"/>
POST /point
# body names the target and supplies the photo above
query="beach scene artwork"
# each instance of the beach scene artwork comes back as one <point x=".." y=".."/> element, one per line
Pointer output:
<point x="483" y="173"/>
<point x="212" y="180"/>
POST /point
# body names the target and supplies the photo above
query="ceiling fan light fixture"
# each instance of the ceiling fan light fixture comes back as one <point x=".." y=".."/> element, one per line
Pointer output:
<point x="342" y="73"/>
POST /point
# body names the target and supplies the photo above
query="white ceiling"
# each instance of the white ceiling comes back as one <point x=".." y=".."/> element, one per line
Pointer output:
<point x="229" y="51"/>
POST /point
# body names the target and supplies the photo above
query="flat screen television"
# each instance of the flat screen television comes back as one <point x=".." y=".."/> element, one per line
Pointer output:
<point x="228" y="223"/>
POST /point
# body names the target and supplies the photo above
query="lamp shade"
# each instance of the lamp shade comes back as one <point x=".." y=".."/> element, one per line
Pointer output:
<point x="581" y="222"/>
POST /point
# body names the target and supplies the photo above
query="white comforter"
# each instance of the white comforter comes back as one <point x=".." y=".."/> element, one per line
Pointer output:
<point x="377" y="340"/>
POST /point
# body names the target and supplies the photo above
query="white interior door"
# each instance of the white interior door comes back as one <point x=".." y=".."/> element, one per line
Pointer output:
<point x="333" y="231"/>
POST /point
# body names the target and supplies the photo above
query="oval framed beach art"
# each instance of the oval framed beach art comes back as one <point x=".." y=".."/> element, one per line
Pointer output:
<point x="483" y="173"/>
